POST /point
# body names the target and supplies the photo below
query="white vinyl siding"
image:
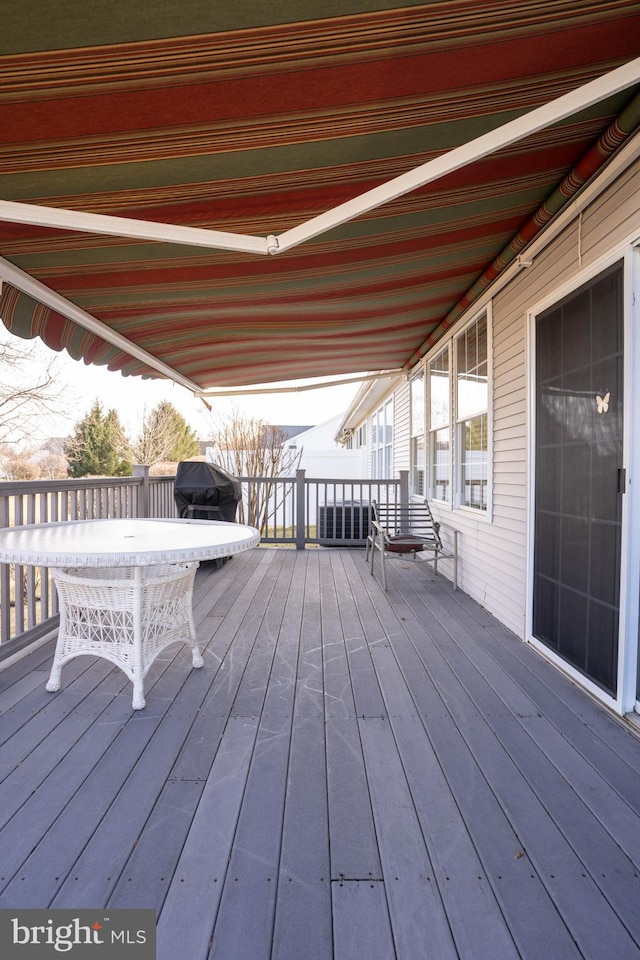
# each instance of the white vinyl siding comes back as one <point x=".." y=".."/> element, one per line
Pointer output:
<point x="401" y="427"/>
<point x="493" y="557"/>
<point x="417" y="415"/>
<point x="382" y="442"/>
<point x="503" y="550"/>
<point x="600" y="233"/>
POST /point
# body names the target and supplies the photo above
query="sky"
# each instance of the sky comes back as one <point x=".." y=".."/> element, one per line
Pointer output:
<point x="81" y="385"/>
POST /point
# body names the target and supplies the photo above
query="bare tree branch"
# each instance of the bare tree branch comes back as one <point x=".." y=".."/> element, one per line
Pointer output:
<point x="28" y="391"/>
<point x="164" y="435"/>
<point x="249" y="447"/>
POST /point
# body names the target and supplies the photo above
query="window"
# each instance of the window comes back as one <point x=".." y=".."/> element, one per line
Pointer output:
<point x="357" y="439"/>
<point x="382" y="442"/>
<point x="439" y="427"/>
<point x="458" y="420"/>
<point x="417" y="435"/>
<point x="472" y="401"/>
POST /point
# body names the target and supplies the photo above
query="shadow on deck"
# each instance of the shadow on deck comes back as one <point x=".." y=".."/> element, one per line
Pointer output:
<point x="353" y="774"/>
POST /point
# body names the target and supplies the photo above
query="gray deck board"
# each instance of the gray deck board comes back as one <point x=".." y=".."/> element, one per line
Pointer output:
<point x="302" y="921"/>
<point x="21" y="689"/>
<point x="361" y="925"/>
<point x="586" y="810"/>
<point x="146" y="875"/>
<point x="571" y="853"/>
<point x="571" y="706"/>
<point x="352" y="773"/>
<point x="354" y="847"/>
<point x="37" y="660"/>
<point x="418" y="917"/>
<point x="254" y="864"/>
<point x="582" y="721"/>
<point x="472" y="908"/>
<point x="538" y="930"/>
<point x="185" y="926"/>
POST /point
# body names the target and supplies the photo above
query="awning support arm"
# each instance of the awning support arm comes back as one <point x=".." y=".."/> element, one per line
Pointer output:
<point x="553" y="112"/>
<point x="557" y="110"/>
<point x="294" y="388"/>
<point x="45" y="295"/>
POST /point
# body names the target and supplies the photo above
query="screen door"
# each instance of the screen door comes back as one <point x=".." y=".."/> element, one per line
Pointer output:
<point x="579" y="478"/>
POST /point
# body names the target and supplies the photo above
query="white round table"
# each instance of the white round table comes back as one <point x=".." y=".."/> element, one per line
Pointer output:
<point x="125" y="585"/>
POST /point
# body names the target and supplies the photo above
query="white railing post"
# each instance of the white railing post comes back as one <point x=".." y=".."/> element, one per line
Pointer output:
<point x="301" y="518"/>
<point x="141" y="470"/>
<point x="404" y="486"/>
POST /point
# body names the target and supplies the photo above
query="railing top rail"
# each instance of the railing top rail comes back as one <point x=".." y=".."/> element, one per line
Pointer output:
<point x="366" y="482"/>
<point x="13" y="488"/>
<point x="10" y="488"/>
<point x="267" y="479"/>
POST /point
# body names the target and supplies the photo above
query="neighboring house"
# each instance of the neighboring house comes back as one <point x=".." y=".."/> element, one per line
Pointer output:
<point x="291" y="432"/>
<point x="25" y="463"/>
<point x="286" y="432"/>
<point x="320" y="455"/>
<point x="323" y="458"/>
<point x="518" y="426"/>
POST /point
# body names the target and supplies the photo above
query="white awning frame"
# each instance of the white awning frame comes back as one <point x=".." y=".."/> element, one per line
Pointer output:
<point x="553" y="112"/>
<point x="550" y="113"/>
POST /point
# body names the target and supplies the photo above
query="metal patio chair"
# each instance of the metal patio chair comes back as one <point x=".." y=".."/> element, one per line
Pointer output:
<point x="407" y="531"/>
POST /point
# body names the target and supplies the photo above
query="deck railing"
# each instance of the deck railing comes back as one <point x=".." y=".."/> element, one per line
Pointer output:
<point x="297" y="510"/>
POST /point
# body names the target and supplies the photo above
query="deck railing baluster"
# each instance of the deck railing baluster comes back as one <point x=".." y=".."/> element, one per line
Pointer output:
<point x="296" y="510"/>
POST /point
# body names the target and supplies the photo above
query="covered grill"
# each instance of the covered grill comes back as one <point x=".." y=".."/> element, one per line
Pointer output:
<point x="204" y="491"/>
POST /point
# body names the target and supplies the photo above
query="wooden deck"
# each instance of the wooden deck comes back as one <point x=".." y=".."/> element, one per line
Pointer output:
<point x="352" y="775"/>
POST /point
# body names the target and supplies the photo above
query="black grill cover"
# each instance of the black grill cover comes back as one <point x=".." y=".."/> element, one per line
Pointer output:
<point x="208" y="487"/>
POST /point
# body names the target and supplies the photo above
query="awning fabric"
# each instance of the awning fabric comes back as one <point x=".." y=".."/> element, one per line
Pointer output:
<point x="254" y="118"/>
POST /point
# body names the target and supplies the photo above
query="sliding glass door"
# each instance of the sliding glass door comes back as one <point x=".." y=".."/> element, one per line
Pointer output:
<point x="579" y="478"/>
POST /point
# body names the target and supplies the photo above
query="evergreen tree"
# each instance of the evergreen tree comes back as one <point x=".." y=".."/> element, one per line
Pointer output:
<point x="98" y="446"/>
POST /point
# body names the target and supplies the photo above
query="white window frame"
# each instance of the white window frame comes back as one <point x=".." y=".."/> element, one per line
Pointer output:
<point x="382" y="442"/>
<point x="456" y="422"/>
<point x="417" y="414"/>
<point x="473" y="412"/>
<point x="440" y="426"/>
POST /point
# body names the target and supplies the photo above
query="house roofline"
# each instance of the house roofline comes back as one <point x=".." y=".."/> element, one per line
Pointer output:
<point x="366" y="401"/>
<point x="372" y="394"/>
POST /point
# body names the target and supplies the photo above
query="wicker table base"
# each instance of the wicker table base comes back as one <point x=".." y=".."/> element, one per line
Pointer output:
<point x="125" y="614"/>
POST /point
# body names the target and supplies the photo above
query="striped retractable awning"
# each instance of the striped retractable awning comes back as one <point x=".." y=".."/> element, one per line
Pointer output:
<point x="188" y="124"/>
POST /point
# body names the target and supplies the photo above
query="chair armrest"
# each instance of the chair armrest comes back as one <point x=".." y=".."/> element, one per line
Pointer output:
<point x="380" y="529"/>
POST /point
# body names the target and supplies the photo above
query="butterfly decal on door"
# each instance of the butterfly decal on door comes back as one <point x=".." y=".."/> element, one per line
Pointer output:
<point x="602" y="403"/>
